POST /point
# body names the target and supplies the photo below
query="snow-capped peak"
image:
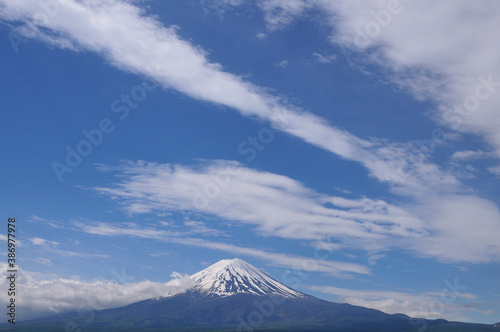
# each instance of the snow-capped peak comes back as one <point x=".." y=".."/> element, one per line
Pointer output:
<point x="231" y="276"/>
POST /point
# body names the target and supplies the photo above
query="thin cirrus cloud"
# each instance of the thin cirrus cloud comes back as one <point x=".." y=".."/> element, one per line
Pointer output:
<point x="52" y="247"/>
<point x="171" y="233"/>
<point x="457" y="69"/>
<point x="132" y="41"/>
<point x="468" y="155"/>
<point x="448" y="74"/>
<point x="450" y="57"/>
<point x="275" y="205"/>
<point x="335" y="268"/>
<point x="495" y="170"/>
<point x="42" y="242"/>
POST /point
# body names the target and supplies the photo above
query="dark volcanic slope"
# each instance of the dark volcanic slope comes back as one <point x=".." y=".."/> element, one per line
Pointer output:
<point x="244" y="312"/>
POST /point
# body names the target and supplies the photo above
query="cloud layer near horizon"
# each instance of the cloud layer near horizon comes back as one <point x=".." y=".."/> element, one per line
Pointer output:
<point x="432" y="305"/>
<point x="41" y="297"/>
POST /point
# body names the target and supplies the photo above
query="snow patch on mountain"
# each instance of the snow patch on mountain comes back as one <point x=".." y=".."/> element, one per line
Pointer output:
<point x="231" y="276"/>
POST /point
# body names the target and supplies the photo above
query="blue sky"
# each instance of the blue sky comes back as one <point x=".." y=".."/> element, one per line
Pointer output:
<point x="348" y="149"/>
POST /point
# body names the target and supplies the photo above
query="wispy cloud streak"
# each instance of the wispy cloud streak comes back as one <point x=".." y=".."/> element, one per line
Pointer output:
<point x="137" y="43"/>
<point x="336" y="268"/>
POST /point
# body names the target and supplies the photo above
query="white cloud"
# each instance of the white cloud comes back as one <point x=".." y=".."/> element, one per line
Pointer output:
<point x="52" y="223"/>
<point x="129" y="229"/>
<point x="44" y="261"/>
<point x="274" y="204"/>
<point x="160" y="254"/>
<point x="335" y="268"/>
<point x="283" y="64"/>
<point x="40" y="260"/>
<point x="372" y="259"/>
<point x="449" y="227"/>
<point x="42" y="242"/>
<point x="471" y="155"/>
<point x="51" y="246"/>
<point x="324" y="59"/>
<point x="219" y="7"/>
<point x="449" y="57"/>
<point x="36" y="218"/>
<point x="199" y="227"/>
<point x="191" y="227"/>
<point x="120" y="32"/>
<point x="495" y="170"/>
<point x="261" y="35"/>
<point x="280" y="13"/>
<point x="489" y="312"/>
<point x="450" y="67"/>
<point x="429" y="305"/>
<point x="41" y="297"/>
<point x="462" y="228"/>
<point x="69" y="253"/>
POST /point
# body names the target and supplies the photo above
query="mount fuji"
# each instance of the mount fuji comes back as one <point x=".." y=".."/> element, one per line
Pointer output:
<point x="235" y="276"/>
<point x="232" y="295"/>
